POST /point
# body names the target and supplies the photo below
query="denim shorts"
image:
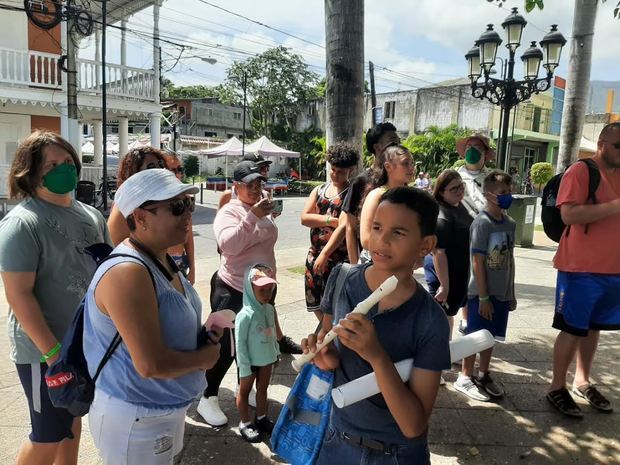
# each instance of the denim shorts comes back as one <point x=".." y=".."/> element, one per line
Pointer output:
<point x="586" y="301"/>
<point x="497" y="325"/>
<point x="337" y="450"/>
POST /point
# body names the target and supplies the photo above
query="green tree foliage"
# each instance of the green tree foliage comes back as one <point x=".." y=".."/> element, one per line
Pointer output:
<point x="541" y="173"/>
<point x="278" y="86"/>
<point x="191" y="166"/>
<point x="311" y="145"/>
<point x="435" y="149"/>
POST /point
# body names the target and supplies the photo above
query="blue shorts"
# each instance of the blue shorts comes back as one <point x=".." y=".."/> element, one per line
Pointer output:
<point x="586" y="301"/>
<point x="496" y="326"/>
<point x="49" y="424"/>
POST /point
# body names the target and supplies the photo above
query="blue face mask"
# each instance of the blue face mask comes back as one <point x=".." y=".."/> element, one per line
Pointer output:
<point x="504" y="201"/>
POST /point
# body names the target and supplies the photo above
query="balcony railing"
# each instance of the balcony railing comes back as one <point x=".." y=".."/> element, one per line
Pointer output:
<point x="28" y="68"/>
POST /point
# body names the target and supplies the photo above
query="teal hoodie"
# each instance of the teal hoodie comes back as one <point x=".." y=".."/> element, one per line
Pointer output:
<point x="255" y="331"/>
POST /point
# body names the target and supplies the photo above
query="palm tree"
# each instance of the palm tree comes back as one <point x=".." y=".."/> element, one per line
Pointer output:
<point x="344" y="43"/>
<point x="577" y="83"/>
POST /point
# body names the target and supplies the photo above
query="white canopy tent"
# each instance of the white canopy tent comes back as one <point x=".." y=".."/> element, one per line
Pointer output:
<point x="233" y="147"/>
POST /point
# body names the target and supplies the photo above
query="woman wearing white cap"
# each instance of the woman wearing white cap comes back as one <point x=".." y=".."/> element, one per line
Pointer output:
<point x="143" y="392"/>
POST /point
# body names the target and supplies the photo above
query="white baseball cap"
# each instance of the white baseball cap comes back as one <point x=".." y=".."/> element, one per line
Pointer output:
<point x="149" y="185"/>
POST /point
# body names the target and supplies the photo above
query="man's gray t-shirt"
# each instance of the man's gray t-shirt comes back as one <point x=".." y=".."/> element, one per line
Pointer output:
<point x="49" y="240"/>
<point x="495" y="240"/>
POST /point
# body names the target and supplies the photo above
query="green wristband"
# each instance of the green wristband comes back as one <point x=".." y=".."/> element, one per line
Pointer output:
<point x="51" y="353"/>
<point x="484" y="299"/>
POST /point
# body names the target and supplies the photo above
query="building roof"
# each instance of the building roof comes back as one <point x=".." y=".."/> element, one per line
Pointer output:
<point x="119" y="9"/>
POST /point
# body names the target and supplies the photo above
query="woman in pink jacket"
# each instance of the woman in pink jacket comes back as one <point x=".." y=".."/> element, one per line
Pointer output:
<point x="246" y="234"/>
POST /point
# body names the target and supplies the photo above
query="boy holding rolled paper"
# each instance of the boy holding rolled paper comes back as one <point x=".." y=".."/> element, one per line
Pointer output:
<point x="408" y="323"/>
<point x="491" y="293"/>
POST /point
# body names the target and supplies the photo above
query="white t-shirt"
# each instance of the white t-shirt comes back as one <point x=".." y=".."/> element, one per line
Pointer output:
<point x="474" y="196"/>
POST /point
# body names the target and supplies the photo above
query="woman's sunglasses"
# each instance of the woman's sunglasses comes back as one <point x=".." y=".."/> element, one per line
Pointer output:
<point x="457" y="189"/>
<point x="177" y="170"/>
<point x="157" y="164"/>
<point x="177" y="207"/>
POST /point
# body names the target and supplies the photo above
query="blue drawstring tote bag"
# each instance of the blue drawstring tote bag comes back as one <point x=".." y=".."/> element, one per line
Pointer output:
<point x="298" y="434"/>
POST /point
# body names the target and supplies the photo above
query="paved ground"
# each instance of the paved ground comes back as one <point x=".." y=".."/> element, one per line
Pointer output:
<point x="520" y="430"/>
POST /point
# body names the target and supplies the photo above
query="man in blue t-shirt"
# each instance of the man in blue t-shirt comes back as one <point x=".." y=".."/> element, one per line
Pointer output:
<point x="391" y="426"/>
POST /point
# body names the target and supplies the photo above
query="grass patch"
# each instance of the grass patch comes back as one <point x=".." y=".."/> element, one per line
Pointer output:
<point x="298" y="269"/>
<point x="539" y="227"/>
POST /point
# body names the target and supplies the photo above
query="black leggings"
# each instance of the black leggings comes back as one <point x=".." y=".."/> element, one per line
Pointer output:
<point x="222" y="297"/>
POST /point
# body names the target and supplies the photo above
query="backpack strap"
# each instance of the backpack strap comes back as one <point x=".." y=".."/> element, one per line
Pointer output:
<point x="343" y="272"/>
<point x="116" y="340"/>
<point x="594" y="180"/>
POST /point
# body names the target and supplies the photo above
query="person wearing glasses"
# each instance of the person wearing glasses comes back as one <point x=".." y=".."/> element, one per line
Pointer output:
<point x="183" y="254"/>
<point x="136" y="160"/>
<point x="144" y="390"/>
<point x="45" y="267"/>
<point x="447" y="269"/>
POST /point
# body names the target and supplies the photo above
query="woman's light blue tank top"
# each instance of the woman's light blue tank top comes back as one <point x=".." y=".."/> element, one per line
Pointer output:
<point x="180" y="321"/>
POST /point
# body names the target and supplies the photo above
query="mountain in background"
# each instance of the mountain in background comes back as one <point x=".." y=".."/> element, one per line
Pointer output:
<point x="598" y="96"/>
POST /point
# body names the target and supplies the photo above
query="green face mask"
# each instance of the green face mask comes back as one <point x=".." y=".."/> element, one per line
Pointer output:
<point x="62" y="179"/>
<point x="472" y="155"/>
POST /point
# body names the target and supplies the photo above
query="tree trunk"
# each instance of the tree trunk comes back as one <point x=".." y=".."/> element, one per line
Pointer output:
<point x="344" y="96"/>
<point x="577" y="83"/>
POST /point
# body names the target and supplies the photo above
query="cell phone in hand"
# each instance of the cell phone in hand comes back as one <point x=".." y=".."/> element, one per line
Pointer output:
<point x="277" y="206"/>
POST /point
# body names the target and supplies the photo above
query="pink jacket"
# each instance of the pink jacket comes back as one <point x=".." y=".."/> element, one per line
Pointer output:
<point x="244" y="240"/>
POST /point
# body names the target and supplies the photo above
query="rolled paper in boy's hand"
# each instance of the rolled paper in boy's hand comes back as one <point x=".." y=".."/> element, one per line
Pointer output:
<point x="366" y="386"/>
<point x="363" y="308"/>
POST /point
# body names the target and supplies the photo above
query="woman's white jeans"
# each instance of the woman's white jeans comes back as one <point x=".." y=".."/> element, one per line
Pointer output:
<point x="127" y="434"/>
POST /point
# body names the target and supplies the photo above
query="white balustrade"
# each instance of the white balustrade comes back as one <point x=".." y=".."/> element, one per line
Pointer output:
<point x="39" y="69"/>
<point x="30" y="68"/>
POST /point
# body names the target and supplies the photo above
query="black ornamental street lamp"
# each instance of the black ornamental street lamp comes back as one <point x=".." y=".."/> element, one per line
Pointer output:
<point x="507" y="92"/>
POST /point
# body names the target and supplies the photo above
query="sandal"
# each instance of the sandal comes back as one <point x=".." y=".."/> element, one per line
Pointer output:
<point x="594" y="397"/>
<point x="564" y="403"/>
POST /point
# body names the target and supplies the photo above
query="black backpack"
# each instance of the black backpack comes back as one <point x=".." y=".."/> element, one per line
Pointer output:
<point x="551" y="217"/>
<point x="68" y="381"/>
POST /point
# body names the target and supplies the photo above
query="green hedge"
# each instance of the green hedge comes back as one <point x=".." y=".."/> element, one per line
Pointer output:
<point x="305" y="186"/>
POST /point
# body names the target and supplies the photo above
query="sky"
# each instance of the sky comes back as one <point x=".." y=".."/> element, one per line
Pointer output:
<point x="418" y="41"/>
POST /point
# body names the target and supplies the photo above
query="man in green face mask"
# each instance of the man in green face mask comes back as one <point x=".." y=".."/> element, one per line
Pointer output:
<point x="476" y="150"/>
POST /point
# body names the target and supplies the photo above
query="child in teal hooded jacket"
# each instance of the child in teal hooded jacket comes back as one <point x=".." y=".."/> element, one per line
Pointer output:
<point x="257" y="349"/>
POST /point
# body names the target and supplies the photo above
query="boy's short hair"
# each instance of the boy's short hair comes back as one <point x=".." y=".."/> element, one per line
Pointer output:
<point x="342" y="155"/>
<point x="418" y="201"/>
<point x="374" y="134"/>
<point x="494" y="179"/>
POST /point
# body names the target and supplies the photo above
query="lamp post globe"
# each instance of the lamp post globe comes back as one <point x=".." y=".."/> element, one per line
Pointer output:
<point x="473" y="61"/>
<point x="488" y="43"/>
<point x="552" y="45"/>
<point x="513" y="25"/>
<point x="532" y="58"/>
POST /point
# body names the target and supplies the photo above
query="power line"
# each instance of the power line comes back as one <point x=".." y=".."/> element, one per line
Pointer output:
<point x="262" y="24"/>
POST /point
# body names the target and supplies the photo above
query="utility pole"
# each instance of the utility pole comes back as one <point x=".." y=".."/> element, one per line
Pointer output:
<point x="245" y="85"/>
<point x="104" y="104"/>
<point x="72" y="107"/>
<point x="373" y="94"/>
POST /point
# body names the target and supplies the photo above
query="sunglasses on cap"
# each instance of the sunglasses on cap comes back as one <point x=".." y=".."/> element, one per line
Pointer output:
<point x="177" y="206"/>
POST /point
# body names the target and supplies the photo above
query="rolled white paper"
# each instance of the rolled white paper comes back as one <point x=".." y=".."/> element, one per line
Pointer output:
<point x="366" y="386"/>
<point x="362" y="308"/>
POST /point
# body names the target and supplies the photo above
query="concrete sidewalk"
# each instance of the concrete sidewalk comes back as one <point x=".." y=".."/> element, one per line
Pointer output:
<point x="521" y="429"/>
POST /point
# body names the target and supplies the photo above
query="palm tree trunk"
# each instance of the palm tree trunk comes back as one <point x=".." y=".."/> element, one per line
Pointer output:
<point x="578" y="82"/>
<point x="344" y="96"/>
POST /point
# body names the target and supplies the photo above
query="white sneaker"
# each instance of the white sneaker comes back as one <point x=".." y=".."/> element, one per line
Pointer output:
<point x="442" y="381"/>
<point x="468" y="387"/>
<point x="251" y="397"/>
<point x="209" y="409"/>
